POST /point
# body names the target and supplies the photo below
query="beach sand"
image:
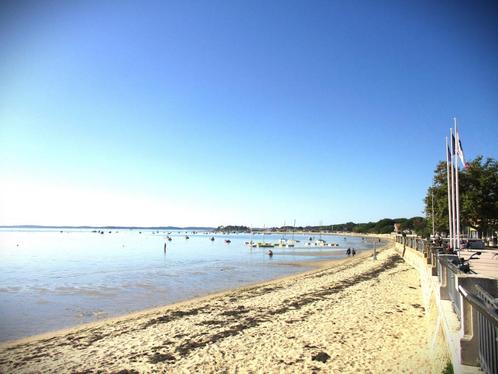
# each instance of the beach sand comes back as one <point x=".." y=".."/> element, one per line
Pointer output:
<point x="358" y="315"/>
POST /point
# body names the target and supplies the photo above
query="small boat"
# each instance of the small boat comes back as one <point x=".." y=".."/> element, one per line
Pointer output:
<point x="321" y="243"/>
<point x="265" y="245"/>
<point x="212" y="238"/>
<point x="290" y="243"/>
<point x="186" y="237"/>
<point x="228" y="241"/>
<point x="169" y="239"/>
<point x="283" y="243"/>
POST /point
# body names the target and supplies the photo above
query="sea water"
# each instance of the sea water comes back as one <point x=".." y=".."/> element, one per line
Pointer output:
<point x="53" y="279"/>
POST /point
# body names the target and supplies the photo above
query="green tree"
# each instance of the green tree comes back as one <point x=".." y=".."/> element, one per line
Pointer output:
<point x="479" y="202"/>
<point x="478" y="187"/>
<point x="439" y="192"/>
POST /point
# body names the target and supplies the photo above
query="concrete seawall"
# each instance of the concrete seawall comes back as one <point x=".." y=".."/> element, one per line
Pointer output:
<point x="446" y="337"/>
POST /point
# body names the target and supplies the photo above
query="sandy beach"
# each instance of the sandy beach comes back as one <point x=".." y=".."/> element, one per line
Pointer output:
<point x="358" y="315"/>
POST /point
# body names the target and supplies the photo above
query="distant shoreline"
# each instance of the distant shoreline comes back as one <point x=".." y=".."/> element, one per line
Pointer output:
<point x="201" y="228"/>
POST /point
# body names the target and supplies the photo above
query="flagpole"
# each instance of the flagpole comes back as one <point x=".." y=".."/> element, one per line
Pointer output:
<point x="448" y="171"/>
<point x="453" y="207"/>
<point x="457" y="195"/>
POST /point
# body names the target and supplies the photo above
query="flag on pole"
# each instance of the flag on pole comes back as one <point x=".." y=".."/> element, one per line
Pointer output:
<point x="456" y="232"/>
<point x="453" y="169"/>
<point x="459" y="150"/>
<point x="450" y="201"/>
<point x="453" y="145"/>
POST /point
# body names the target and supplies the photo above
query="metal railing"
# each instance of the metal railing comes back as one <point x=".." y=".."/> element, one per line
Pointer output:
<point x="487" y="320"/>
<point x="485" y="306"/>
<point x="452" y="288"/>
<point x="447" y="273"/>
<point x="419" y="244"/>
<point x="432" y="256"/>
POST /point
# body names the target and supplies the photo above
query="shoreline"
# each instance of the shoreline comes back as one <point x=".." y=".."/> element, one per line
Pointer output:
<point x="311" y="321"/>
<point x="314" y="265"/>
<point x="57" y="304"/>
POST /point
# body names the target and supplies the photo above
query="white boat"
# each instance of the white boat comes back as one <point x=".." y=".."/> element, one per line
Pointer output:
<point x="321" y="243"/>
<point x="285" y="243"/>
<point x="291" y="243"/>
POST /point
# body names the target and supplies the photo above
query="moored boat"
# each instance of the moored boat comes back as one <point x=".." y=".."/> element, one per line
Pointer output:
<point x="321" y="243"/>
<point x="265" y="245"/>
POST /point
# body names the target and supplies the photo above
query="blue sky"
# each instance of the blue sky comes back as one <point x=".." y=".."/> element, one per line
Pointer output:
<point x="237" y="112"/>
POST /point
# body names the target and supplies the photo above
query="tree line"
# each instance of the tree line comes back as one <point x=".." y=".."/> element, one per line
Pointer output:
<point x="478" y="187"/>
<point x="383" y="226"/>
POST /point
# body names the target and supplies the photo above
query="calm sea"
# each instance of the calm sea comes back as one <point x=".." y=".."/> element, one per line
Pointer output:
<point x="51" y="280"/>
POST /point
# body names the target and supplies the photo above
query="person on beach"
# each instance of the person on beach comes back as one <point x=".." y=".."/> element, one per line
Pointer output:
<point x="164" y="247"/>
<point x="348" y="252"/>
<point x="270" y="253"/>
<point x="353" y="252"/>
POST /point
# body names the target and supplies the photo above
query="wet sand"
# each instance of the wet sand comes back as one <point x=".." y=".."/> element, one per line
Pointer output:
<point x="356" y="315"/>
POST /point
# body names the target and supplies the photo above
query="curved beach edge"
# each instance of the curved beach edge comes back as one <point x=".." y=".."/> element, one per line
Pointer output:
<point x="315" y="265"/>
<point x="348" y="316"/>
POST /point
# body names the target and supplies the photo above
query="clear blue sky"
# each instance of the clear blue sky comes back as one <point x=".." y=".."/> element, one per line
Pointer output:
<point x="237" y="112"/>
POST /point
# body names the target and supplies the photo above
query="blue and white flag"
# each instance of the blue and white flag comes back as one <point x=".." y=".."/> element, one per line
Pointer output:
<point x="459" y="150"/>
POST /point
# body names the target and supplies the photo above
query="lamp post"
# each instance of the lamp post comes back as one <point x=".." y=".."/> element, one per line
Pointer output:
<point x="404" y="244"/>
<point x="432" y="211"/>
